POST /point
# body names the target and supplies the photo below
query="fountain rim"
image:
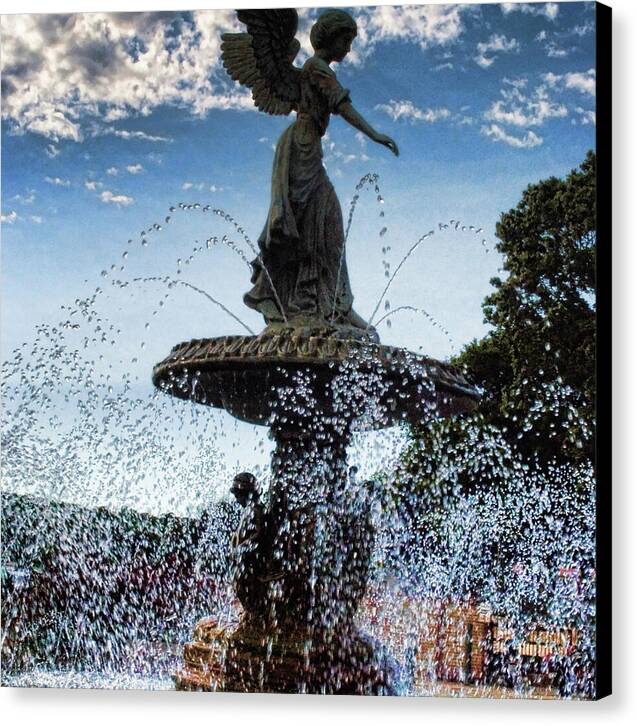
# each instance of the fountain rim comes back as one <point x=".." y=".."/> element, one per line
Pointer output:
<point x="287" y="350"/>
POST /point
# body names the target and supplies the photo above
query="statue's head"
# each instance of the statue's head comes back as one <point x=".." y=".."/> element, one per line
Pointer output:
<point x="245" y="488"/>
<point x="334" y="31"/>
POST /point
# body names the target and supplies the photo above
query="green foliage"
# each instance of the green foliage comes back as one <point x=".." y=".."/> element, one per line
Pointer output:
<point x="537" y="366"/>
<point x="123" y="575"/>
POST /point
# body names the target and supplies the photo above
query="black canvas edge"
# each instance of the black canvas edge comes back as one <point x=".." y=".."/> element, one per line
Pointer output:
<point x="603" y="445"/>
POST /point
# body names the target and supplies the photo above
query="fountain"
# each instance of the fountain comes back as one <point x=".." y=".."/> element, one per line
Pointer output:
<point x="450" y="563"/>
<point x="314" y="376"/>
<point x="98" y="594"/>
<point x="305" y="570"/>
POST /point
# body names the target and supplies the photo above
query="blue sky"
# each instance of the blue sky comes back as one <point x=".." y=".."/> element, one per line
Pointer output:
<point x="111" y="119"/>
<point x="481" y="100"/>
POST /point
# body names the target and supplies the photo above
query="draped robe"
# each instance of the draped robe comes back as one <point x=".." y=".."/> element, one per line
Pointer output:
<point x="302" y="244"/>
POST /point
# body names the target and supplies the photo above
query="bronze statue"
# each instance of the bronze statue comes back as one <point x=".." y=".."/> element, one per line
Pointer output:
<point x="300" y="276"/>
<point x="303" y="556"/>
<point x="248" y="544"/>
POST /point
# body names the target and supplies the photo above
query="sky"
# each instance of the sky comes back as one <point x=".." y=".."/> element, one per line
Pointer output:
<point x="111" y="119"/>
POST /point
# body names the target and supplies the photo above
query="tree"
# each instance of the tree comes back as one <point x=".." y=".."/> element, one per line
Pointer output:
<point x="537" y="365"/>
<point x="496" y="503"/>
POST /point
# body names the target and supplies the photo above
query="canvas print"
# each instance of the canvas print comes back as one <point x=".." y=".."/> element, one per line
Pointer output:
<point x="300" y="350"/>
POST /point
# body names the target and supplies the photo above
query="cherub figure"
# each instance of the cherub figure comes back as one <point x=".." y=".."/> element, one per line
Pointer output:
<point x="300" y="276"/>
<point x="249" y="544"/>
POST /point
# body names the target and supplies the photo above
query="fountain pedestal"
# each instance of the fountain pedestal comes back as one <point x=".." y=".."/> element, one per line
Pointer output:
<point x="302" y="557"/>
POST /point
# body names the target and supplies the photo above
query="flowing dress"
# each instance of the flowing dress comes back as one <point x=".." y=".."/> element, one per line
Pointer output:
<point x="302" y="243"/>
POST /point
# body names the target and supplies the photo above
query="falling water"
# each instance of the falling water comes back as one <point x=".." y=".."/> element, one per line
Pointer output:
<point x="482" y="575"/>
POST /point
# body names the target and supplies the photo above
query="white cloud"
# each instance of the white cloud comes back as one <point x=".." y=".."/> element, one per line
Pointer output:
<point x="116" y="114"/>
<point x="52" y="151"/>
<point x="44" y="118"/>
<point x="497" y="133"/>
<point x="112" y="171"/>
<point x="57" y="182"/>
<point x="335" y="153"/>
<point x="522" y="108"/>
<point x="59" y="69"/>
<point x="587" y="116"/>
<point x="134" y="62"/>
<point x="407" y="110"/>
<point x="551" y="48"/>
<point x="134" y="168"/>
<point x="583" y="82"/>
<point x="62" y="70"/>
<point x="200" y="186"/>
<point x="548" y="10"/>
<point x="582" y="30"/>
<point x="554" y="51"/>
<point x="9" y="218"/>
<point x="483" y="61"/>
<point x="154" y="158"/>
<point x="92" y="185"/>
<point x="28" y="199"/>
<point x="496" y="44"/>
<point x="424" y="25"/>
<point x="124" y="134"/>
<point x="36" y="219"/>
<point x="516" y="82"/>
<point x="557" y="43"/>
<point x="518" y="108"/>
<point x="121" y="200"/>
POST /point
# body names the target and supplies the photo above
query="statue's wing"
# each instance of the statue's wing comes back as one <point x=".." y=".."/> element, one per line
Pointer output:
<point x="261" y="59"/>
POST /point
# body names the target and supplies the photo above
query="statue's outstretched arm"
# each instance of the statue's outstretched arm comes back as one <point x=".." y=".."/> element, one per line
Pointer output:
<point x="351" y="115"/>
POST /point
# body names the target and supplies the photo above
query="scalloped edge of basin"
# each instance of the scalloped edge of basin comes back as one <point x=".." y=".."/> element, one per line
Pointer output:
<point x="239" y="374"/>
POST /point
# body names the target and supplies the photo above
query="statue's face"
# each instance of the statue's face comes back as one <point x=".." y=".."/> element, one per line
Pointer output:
<point x="240" y="494"/>
<point x="341" y="46"/>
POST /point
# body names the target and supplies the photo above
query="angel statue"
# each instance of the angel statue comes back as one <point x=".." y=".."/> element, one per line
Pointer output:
<point x="300" y="275"/>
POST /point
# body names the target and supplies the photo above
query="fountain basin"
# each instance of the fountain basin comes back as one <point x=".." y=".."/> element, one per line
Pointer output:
<point x="313" y="387"/>
<point x="245" y="374"/>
